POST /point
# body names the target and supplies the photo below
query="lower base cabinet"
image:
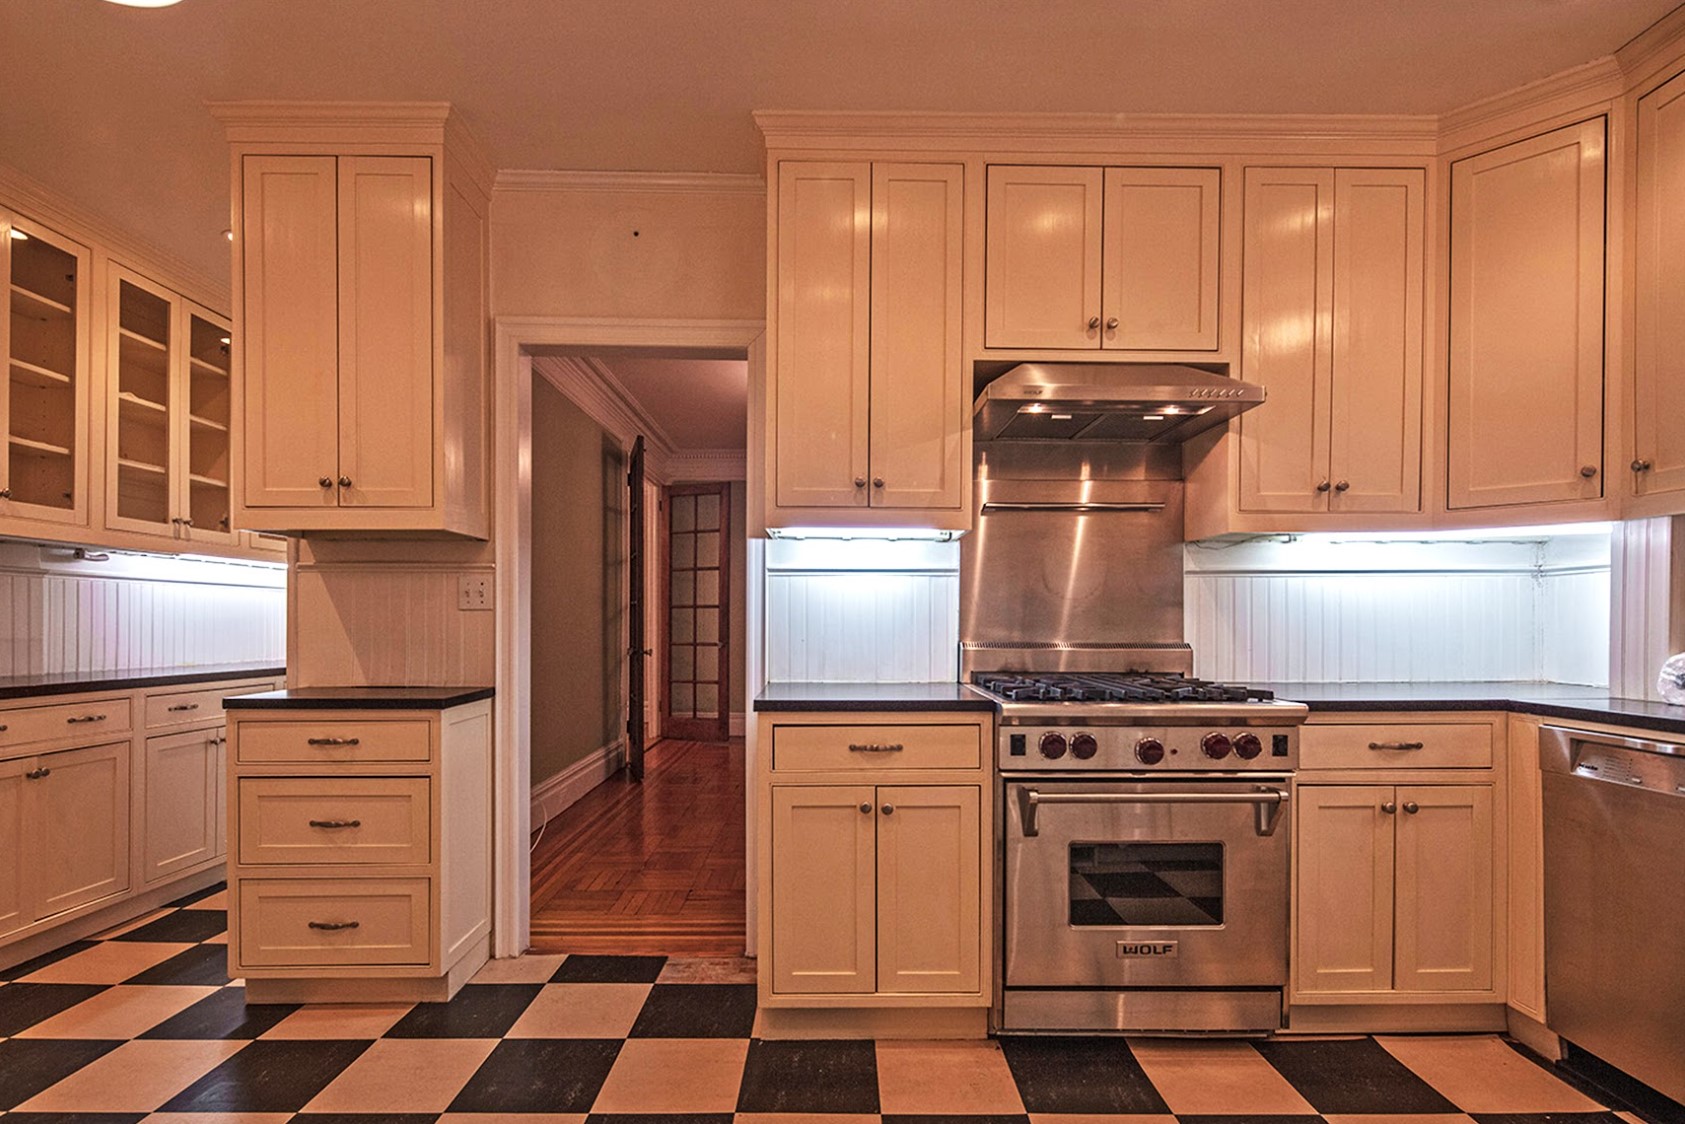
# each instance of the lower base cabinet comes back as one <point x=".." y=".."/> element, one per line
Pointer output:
<point x="182" y="787"/>
<point x="64" y="831"/>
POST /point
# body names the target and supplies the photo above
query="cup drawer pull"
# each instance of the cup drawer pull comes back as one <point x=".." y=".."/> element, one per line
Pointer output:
<point x="334" y="926"/>
<point x="85" y="718"/>
<point x="334" y="825"/>
<point x="334" y="741"/>
<point x="1395" y="745"/>
<point x="179" y="707"/>
<point x="876" y="747"/>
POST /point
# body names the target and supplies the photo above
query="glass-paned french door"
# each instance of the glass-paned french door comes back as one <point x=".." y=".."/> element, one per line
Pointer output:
<point x="695" y="687"/>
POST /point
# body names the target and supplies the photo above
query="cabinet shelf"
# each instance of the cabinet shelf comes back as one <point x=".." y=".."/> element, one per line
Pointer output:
<point x="31" y="447"/>
<point x="206" y="481"/>
<point x="141" y="466"/>
<point x="38" y="307"/>
<point x="206" y="423"/>
<point x="32" y="374"/>
<point x="201" y="367"/>
<point x="143" y="409"/>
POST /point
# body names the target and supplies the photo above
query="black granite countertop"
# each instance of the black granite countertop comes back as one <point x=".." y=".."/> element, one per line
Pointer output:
<point x="76" y="683"/>
<point x="360" y="698"/>
<point x="842" y="697"/>
<point x="1547" y="700"/>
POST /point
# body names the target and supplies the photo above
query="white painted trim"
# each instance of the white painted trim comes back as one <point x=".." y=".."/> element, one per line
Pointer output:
<point x="591" y="387"/>
<point x="1656" y="48"/>
<point x="736" y="723"/>
<point x="646" y="183"/>
<point x="552" y="797"/>
<point x="706" y="466"/>
<point x="1529" y="107"/>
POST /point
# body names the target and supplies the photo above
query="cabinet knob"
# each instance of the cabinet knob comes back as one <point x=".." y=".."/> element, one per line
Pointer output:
<point x="38" y="774"/>
<point x="859" y="481"/>
<point x="1641" y="466"/>
<point x="889" y="809"/>
<point x="5" y="493"/>
<point x="345" y="481"/>
<point x="1093" y="323"/>
<point x="1588" y="470"/>
<point x="326" y="481"/>
<point x="1412" y="807"/>
<point x="1343" y="486"/>
<point x="866" y="808"/>
<point x="1389" y="807"/>
<point x="1324" y="486"/>
<point x="1111" y="324"/>
<point x="877" y="481"/>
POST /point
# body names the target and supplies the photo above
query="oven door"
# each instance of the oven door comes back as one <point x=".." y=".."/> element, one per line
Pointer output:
<point x="1163" y="883"/>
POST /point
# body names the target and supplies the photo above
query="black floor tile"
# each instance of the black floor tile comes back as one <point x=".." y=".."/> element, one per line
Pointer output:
<point x="1352" y="1076"/>
<point x="1080" y="1075"/>
<point x="1022" y="1118"/>
<point x="1512" y="1118"/>
<point x="198" y="895"/>
<point x="225" y="1014"/>
<point x="478" y="1011"/>
<point x="659" y="1118"/>
<point x="697" y="1011"/>
<point x="609" y="969"/>
<point x="539" y="1075"/>
<point x="1243" y="1118"/>
<point x="184" y="926"/>
<point x="24" y="1005"/>
<point x="29" y="1065"/>
<point x="360" y="1118"/>
<point x="268" y="1077"/>
<point x="19" y="971"/>
<point x="821" y="1076"/>
<point x="75" y="1117"/>
<point x="204" y="965"/>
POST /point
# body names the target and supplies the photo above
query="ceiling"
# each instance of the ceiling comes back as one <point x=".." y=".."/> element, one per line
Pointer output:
<point x="696" y="403"/>
<point x="105" y="104"/>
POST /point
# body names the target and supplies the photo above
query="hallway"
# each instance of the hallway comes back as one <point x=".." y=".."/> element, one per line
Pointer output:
<point x="656" y="868"/>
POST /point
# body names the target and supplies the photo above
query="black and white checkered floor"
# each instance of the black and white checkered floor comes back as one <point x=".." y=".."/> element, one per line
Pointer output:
<point x="144" y="1025"/>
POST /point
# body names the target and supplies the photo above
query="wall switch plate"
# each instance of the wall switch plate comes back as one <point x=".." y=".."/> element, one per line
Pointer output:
<point x="473" y="593"/>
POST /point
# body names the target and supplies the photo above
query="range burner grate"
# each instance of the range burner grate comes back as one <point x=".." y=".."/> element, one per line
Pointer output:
<point x="1115" y="687"/>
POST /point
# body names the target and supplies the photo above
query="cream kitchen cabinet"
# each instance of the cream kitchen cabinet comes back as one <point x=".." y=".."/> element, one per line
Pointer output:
<point x="361" y="290"/>
<point x="181" y="791"/>
<point x="868" y="400"/>
<point x="64" y="827"/>
<point x="1332" y="282"/>
<point x="1525" y="404"/>
<point x="1102" y="258"/>
<point x="1658" y="462"/>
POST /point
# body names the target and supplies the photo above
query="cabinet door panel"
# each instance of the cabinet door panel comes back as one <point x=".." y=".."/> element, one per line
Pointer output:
<point x="822" y="375"/>
<point x="1526" y="380"/>
<point x="1376" y="435"/>
<point x="1344" y="932"/>
<point x="929" y="886"/>
<point x="179" y="783"/>
<point x="1444" y="917"/>
<point x="144" y="485"/>
<point x="77" y="824"/>
<point x="386" y="400"/>
<point x="823" y="892"/>
<point x="291" y="342"/>
<point x="14" y="912"/>
<point x="1042" y="276"/>
<point x="1659" y="399"/>
<point x="1160" y="266"/>
<point x="1287" y="301"/>
<point x="920" y="392"/>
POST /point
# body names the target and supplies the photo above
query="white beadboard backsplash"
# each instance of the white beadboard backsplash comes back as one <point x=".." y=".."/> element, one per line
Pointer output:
<point x="861" y="611"/>
<point x="1319" y="609"/>
<point x="117" y="611"/>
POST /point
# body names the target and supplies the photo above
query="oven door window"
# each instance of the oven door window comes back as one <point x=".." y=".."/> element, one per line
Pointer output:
<point x="1146" y="885"/>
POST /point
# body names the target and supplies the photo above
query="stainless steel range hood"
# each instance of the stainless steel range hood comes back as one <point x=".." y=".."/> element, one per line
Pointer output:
<point x="1158" y="402"/>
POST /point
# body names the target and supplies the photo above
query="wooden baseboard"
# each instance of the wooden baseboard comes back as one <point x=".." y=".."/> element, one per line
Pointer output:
<point x="1383" y="1018"/>
<point x="872" y="1022"/>
<point x="736" y="724"/>
<point x="550" y="798"/>
<point x="387" y="989"/>
<point x="58" y="934"/>
<point x="1534" y="1035"/>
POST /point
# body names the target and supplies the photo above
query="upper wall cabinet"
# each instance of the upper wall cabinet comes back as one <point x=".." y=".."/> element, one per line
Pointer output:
<point x="1658" y="464"/>
<point x="44" y="412"/>
<point x="361" y="304"/>
<point x="1332" y="297"/>
<point x="1525" y="402"/>
<point x="868" y="404"/>
<point x="1114" y="258"/>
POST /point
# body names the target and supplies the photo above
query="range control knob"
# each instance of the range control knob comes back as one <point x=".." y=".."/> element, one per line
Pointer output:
<point x="1247" y="746"/>
<point x="1084" y="747"/>
<point x="1053" y="746"/>
<point x="1216" y="746"/>
<point x="1149" y="751"/>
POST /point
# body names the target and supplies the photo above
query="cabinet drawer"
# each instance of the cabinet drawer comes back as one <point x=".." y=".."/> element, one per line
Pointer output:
<point x="356" y="821"/>
<point x="328" y="922"/>
<point x="1460" y="745"/>
<point x="64" y="720"/>
<point x="327" y="741"/>
<point x="876" y="747"/>
<point x="196" y="705"/>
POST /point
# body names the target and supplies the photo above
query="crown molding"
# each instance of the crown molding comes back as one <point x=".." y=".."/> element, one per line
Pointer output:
<point x="646" y="183"/>
<point x="50" y="208"/>
<point x="707" y="466"/>
<point x="1567" y="91"/>
<point x="1661" y="46"/>
<point x="333" y="122"/>
<point x="587" y="383"/>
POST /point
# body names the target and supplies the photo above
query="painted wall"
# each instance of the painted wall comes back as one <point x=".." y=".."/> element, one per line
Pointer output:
<point x="578" y="507"/>
<point x="738" y="633"/>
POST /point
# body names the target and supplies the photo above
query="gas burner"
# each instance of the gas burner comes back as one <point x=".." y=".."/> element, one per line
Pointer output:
<point x="1114" y="687"/>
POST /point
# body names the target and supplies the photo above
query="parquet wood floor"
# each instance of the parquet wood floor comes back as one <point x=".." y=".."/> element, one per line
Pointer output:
<point x="655" y="869"/>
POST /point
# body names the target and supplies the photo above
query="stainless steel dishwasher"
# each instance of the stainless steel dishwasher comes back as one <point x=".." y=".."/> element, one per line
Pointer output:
<point x="1614" y="832"/>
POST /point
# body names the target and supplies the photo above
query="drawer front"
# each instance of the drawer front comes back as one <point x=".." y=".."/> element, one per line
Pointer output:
<point x="1459" y="745"/>
<point x="64" y="720"/>
<point x="331" y="922"/>
<point x="197" y="705"/>
<point x="326" y="741"/>
<point x="876" y="747"/>
<point x="360" y="821"/>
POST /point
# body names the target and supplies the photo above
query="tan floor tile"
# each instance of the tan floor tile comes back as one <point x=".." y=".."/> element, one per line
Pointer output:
<point x="582" y="1011"/>
<point x="1480" y="1073"/>
<point x="119" y="1012"/>
<point x="218" y="900"/>
<point x="957" y="1078"/>
<point x="528" y="969"/>
<point x="698" y="969"/>
<point x="135" y="1077"/>
<point x="109" y="963"/>
<point x="218" y="1118"/>
<point x="129" y="926"/>
<point x="1399" y="1118"/>
<point x="1214" y="1078"/>
<point x="220" y="938"/>
<point x="355" y="1020"/>
<point x="1097" y="1118"/>
<point x="820" y="1118"/>
<point x="510" y="1118"/>
<point x="404" y="1075"/>
<point x="675" y="1075"/>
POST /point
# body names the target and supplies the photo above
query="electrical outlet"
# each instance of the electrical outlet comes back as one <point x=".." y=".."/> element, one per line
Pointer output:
<point x="473" y="593"/>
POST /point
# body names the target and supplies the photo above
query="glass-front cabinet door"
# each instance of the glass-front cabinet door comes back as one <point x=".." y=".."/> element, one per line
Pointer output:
<point x="205" y="389"/>
<point x="44" y="411"/>
<point x="141" y="465"/>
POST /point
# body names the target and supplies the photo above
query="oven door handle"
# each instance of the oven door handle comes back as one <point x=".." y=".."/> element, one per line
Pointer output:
<point x="1268" y="803"/>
